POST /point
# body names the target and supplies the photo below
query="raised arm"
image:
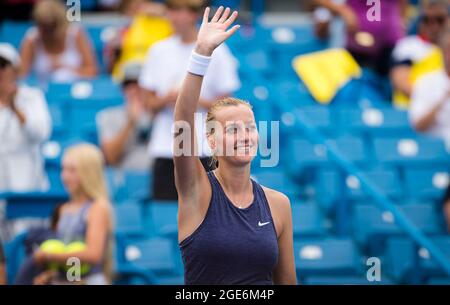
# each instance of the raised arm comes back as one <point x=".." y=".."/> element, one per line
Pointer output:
<point x="189" y="172"/>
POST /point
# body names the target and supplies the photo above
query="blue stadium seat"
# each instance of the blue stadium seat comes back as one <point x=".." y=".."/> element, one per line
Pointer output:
<point x="163" y="218"/>
<point x="331" y="186"/>
<point x="129" y="219"/>
<point x="419" y="151"/>
<point x="287" y="42"/>
<point x="326" y="257"/>
<point x="308" y="221"/>
<point x="277" y="180"/>
<point x="410" y="263"/>
<point x="152" y="259"/>
<point x="426" y="184"/>
<point x="254" y="63"/>
<point x="375" y="122"/>
<point x="429" y="266"/>
<point x="439" y="281"/>
<point x="321" y="117"/>
<point x="305" y="155"/>
<point x="32" y="204"/>
<point x="372" y="226"/>
<point x="344" y="280"/>
<point x="15" y="254"/>
<point x="126" y="185"/>
<point x="293" y="93"/>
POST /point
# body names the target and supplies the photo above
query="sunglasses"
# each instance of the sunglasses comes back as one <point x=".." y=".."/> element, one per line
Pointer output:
<point x="434" y="19"/>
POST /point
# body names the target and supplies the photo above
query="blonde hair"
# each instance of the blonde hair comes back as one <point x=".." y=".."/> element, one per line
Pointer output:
<point x="53" y="10"/>
<point x="225" y="102"/>
<point x="89" y="163"/>
<point x="211" y="115"/>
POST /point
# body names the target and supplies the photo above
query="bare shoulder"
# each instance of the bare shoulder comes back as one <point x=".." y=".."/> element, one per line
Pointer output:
<point x="277" y="199"/>
<point x="101" y="206"/>
<point x="280" y="208"/>
<point x="63" y="207"/>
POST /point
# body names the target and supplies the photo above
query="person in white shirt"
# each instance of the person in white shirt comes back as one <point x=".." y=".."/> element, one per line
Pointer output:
<point x="420" y="49"/>
<point x="24" y="125"/>
<point x="161" y="77"/>
<point x="430" y="107"/>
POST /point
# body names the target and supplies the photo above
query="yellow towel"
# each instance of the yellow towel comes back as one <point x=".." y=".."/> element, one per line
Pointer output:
<point x="325" y="72"/>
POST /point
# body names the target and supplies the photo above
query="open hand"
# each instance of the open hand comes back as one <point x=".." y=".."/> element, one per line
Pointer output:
<point x="215" y="32"/>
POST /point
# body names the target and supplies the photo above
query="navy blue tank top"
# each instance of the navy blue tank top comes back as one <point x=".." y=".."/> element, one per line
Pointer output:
<point x="232" y="246"/>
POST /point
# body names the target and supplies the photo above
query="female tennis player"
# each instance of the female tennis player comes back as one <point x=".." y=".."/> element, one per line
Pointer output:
<point x="231" y="229"/>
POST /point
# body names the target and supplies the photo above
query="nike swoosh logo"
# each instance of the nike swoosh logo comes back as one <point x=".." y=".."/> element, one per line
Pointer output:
<point x="263" y="223"/>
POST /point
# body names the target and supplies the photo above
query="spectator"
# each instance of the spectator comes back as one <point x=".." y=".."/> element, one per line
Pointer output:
<point x="161" y="77"/>
<point x="369" y="42"/>
<point x="417" y="55"/>
<point x="55" y="50"/>
<point x="85" y="217"/>
<point x="24" y="125"/>
<point x="124" y="130"/>
<point x="430" y="105"/>
<point x="2" y="266"/>
<point x="147" y="26"/>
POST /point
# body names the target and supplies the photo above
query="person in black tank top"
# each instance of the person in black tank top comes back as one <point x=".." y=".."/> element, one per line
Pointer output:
<point x="231" y="229"/>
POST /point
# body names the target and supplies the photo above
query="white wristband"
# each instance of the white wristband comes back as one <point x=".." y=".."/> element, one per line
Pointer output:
<point x="198" y="64"/>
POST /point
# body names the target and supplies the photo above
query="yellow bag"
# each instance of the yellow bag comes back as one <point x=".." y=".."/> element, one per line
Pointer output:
<point x="432" y="62"/>
<point x="143" y="32"/>
<point x="325" y="72"/>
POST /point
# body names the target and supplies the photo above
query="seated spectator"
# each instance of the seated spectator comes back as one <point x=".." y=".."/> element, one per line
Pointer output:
<point x="369" y="42"/>
<point x="147" y="26"/>
<point x="430" y="105"/>
<point x="2" y="266"/>
<point x="161" y="77"/>
<point x="125" y="130"/>
<point x="416" y="55"/>
<point x="86" y="217"/>
<point x="56" y="50"/>
<point x="24" y="125"/>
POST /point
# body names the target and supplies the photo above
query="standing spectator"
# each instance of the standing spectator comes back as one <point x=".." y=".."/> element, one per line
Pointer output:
<point x="370" y="41"/>
<point x="148" y="24"/>
<point x="2" y="266"/>
<point x="416" y="55"/>
<point x="55" y="50"/>
<point x="125" y="130"/>
<point x="161" y="77"/>
<point x="430" y="105"/>
<point x="24" y="125"/>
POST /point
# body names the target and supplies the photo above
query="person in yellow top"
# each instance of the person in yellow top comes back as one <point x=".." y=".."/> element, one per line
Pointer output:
<point x="416" y="55"/>
<point x="148" y="25"/>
